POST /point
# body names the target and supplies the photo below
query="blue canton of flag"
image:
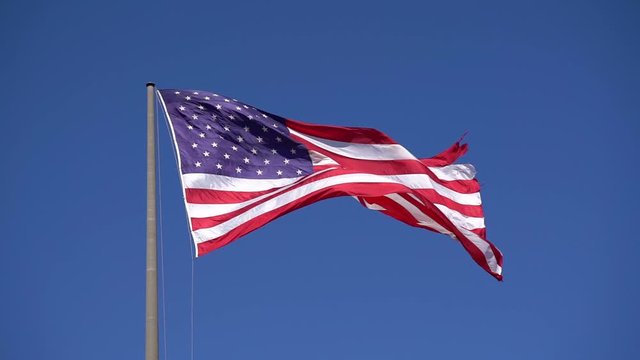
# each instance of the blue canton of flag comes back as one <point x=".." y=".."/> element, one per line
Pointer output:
<point x="223" y="136"/>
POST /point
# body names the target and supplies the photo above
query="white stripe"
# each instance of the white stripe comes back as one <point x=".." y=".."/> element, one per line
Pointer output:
<point x="370" y="206"/>
<point x="468" y="222"/>
<point x="281" y="200"/>
<point x="359" y="151"/>
<point x="420" y="217"/>
<point x="484" y="247"/>
<point x="422" y="181"/>
<point x="202" y="235"/>
<point x="413" y="181"/>
<point x="208" y="210"/>
<point x="293" y="195"/>
<point x="481" y="244"/>
<point x="318" y="159"/>
<point x="458" y="219"/>
<point x="227" y="183"/>
<point x="461" y="220"/>
<point x="397" y="152"/>
<point x="454" y="172"/>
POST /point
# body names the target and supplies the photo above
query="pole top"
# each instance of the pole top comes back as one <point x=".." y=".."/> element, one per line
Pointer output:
<point x="151" y="84"/>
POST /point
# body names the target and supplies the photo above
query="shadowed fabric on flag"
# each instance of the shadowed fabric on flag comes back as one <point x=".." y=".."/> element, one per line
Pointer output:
<point x="242" y="167"/>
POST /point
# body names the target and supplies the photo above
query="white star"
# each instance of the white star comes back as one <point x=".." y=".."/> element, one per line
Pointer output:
<point x="234" y="99"/>
<point x="254" y="151"/>
<point x="194" y="145"/>
<point x="234" y="148"/>
<point x="259" y="139"/>
<point x="218" y="106"/>
<point x="250" y="117"/>
<point x="246" y="128"/>
<point x="198" y="163"/>
<point x="207" y="98"/>
<point x="206" y="153"/>
<point x="187" y="97"/>
<point x="275" y="126"/>
<point x="214" y="116"/>
<point x="264" y="116"/>
<point x="293" y="151"/>
<point x="238" y="108"/>
<point x="189" y="127"/>
<point x="279" y="172"/>
<point x="226" y="156"/>
<point x="231" y="117"/>
<point x="195" y="93"/>
<point x="177" y="93"/>
<point x="266" y="161"/>
<point x="201" y="135"/>
<point x="181" y="108"/>
<point x="226" y="128"/>
<point x="195" y="117"/>
<point x="286" y="161"/>
<point x="214" y="144"/>
<point x="299" y="172"/>
<point x="278" y="139"/>
<point x="245" y="106"/>
<point x="219" y="166"/>
<point x="246" y="160"/>
<point x="215" y="94"/>
<point x="238" y="170"/>
<point x="259" y="172"/>
<point x="274" y="151"/>
<point x="240" y="139"/>
<point x="226" y="100"/>
<point x="264" y="129"/>
<point x="201" y="107"/>
<point x="208" y="127"/>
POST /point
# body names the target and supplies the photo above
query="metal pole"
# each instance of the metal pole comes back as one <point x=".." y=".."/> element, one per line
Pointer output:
<point x="151" y="330"/>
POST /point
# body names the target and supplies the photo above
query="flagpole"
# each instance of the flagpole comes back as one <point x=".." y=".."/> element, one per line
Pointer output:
<point x="151" y="329"/>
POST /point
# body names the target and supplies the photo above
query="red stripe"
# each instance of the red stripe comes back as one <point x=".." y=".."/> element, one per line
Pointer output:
<point x="398" y="212"/>
<point x="431" y="195"/>
<point x="339" y="133"/>
<point x="393" y="167"/>
<point x="482" y="233"/>
<point x="347" y="190"/>
<point x="196" y="223"/>
<point x="448" y="156"/>
<point x="477" y="255"/>
<point x="469" y="210"/>
<point x="257" y="222"/>
<point x="207" y="196"/>
<point x="222" y="197"/>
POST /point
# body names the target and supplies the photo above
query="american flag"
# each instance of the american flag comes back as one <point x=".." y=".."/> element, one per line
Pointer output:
<point x="242" y="167"/>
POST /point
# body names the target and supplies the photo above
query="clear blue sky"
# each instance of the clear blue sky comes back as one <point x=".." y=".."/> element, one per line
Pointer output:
<point x="547" y="89"/>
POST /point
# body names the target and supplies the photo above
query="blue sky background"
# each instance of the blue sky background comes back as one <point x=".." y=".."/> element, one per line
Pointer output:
<point x="547" y="89"/>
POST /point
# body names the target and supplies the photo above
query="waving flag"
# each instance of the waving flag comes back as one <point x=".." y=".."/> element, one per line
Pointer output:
<point x="242" y="167"/>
